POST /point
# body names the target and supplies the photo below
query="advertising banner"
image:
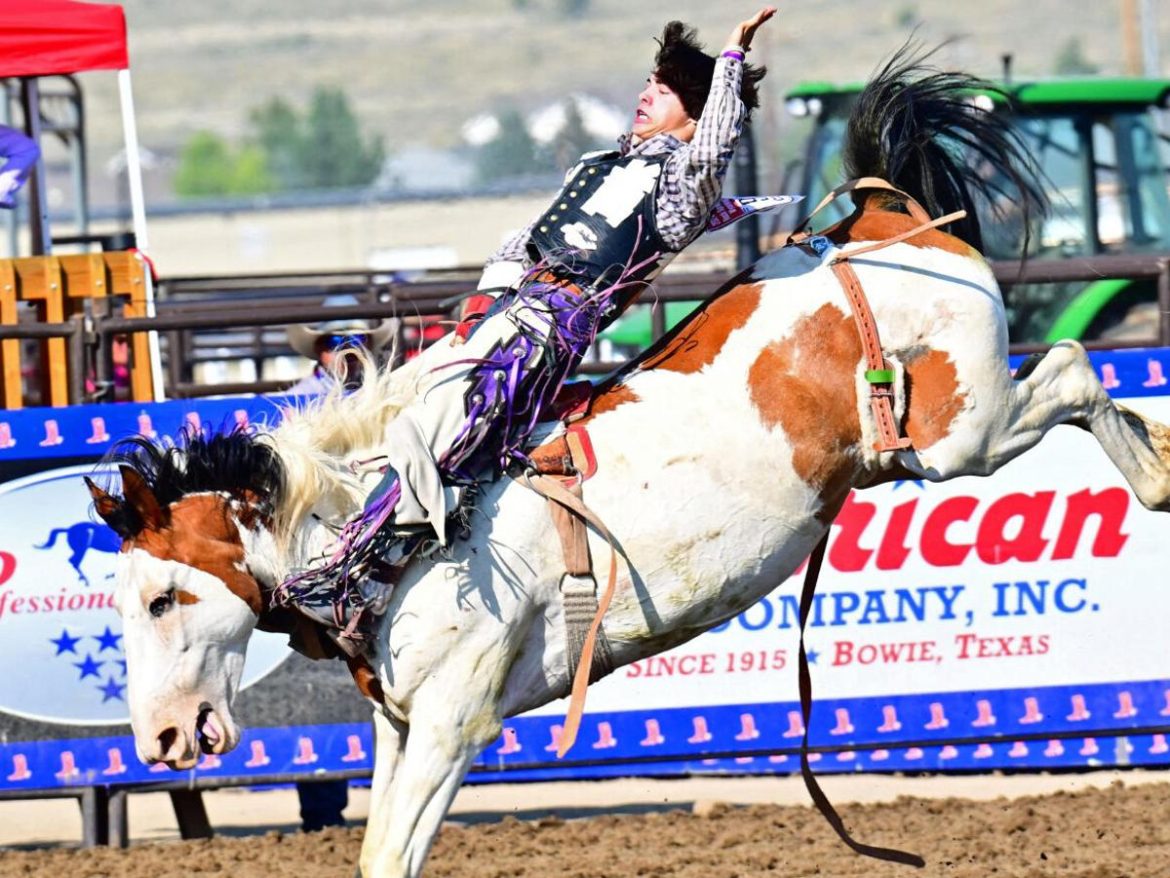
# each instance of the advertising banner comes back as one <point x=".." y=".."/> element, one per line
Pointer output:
<point x="1016" y="621"/>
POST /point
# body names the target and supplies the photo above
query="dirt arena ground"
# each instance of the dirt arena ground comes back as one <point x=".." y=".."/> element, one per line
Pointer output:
<point x="1078" y="829"/>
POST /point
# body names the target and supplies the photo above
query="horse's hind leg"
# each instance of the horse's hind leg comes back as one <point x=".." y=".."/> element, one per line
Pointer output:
<point x="1062" y="388"/>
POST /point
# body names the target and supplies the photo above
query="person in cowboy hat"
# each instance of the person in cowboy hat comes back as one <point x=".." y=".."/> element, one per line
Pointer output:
<point x="620" y="217"/>
<point x="325" y="343"/>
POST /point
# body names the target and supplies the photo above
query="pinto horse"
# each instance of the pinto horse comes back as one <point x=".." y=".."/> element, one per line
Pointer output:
<point x="723" y="455"/>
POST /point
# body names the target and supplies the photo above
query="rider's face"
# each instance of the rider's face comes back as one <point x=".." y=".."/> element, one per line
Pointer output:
<point x="660" y="111"/>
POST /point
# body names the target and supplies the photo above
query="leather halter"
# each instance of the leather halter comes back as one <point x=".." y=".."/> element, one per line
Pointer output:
<point x="878" y="372"/>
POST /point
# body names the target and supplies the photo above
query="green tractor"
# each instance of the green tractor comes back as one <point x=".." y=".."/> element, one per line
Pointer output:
<point x="1099" y="144"/>
<point x="1106" y="160"/>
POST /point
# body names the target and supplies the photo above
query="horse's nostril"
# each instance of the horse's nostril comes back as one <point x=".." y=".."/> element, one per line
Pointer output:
<point x="166" y="740"/>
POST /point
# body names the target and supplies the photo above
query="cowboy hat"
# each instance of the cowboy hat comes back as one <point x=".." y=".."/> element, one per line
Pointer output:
<point x="302" y="338"/>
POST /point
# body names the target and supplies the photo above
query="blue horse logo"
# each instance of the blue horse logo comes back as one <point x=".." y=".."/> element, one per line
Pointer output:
<point x="82" y="537"/>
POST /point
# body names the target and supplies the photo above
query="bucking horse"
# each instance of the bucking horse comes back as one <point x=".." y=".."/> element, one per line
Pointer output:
<point x="722" y="455"/>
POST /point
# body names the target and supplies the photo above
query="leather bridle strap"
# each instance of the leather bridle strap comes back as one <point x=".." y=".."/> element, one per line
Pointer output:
<point x="812" y="572"/>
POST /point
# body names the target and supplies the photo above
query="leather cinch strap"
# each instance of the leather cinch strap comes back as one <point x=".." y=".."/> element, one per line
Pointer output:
<point x="552" y="489"/>
<point x="878" y="372"/>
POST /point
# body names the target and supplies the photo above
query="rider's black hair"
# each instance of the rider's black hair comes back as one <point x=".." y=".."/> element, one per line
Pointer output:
<point x="683" y="66"/>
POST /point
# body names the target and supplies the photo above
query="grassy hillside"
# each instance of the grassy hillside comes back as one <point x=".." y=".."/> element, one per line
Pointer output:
<point x="416" y="69"/>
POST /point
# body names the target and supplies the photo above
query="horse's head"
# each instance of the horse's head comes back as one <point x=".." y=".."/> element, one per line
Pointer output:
<point x="187" y="593"/>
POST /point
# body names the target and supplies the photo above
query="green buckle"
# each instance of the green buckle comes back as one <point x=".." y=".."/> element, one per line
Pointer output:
<point x="879" y="376"/>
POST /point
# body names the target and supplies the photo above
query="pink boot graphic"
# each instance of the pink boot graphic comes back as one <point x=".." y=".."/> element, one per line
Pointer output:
<point x="914" y="754"/>
<point x="1125" y="708"/>
<point x="192" y="421"/>
<point x="938" y="718"/>
<point x="98" y="432"/>
<point x="889" y="719"/>
<point x="259" y="757"/>
<point x="1165" y="711"/>
<point x="355" y="753"/>
<point x="52" y="435"/>
<point x="653" y="734"/>
<point x="605" y="739"/>
<point x="1090" y="748"/>
<point x="146" y="427"/>
<point x="511" y="743"/>
<point x="6" y="440"/>
<point x="846" y="756"/>
<point x="1032" y="712"/>
<point x="555" y="744"/>
<point x="844" y="726"/>
<point x="208" y="762"/>
<point x="948" y="752"/>
<point x="1109" y="376"/>
<point x="1054" y="749"/>
<point x="795" y="725"/>
<point x="1079" y="713"/>
<point x="241" y="416"/>
<point x="880" y="755"/>
<point x="305" y="754"/>
<point x="68" y="770"/>
<point x="19" y="768"/>
<point x="778" y="758"/>
<point x="984" y="751"/>
<point x="700" y="735"/>
<point x="1019" y="750"/>
<point x="1156" y="379"/>
<point x="1159" y="746"/>
<point x="744" y="760"/>
<point x="984" y="716"/>
<point x="116" y="765"/>
<point x="158" y="768"/>
<point x="747" y="728"/>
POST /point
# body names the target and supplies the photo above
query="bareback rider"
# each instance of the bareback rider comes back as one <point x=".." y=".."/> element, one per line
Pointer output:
<point x="542" y="299"/>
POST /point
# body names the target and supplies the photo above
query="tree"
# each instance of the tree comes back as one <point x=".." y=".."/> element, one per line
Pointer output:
<point x="511" y="153"/>
<point x="1072" y="61"/>
<point x="279" y="136"/>
<point x="205" y="167"/>
<point x="333" y="153"/>
<point x="573" y="140"/>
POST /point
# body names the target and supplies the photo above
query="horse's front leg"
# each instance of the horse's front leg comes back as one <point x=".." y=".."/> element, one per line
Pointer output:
<point x="389" y="745"/>
<point x="447" y="730"/>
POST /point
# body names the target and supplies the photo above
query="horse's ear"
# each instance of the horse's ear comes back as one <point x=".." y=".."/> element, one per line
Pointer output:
<point x="141" y="499"/>
<point x="107" y="505"/>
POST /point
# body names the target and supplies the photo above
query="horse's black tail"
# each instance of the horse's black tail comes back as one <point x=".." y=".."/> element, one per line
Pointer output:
<point x="919" y="128"/>
<point x="52" y="539"/>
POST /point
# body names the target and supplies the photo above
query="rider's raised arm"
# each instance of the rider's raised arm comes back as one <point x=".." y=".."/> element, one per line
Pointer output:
<point x="692" y="179"/>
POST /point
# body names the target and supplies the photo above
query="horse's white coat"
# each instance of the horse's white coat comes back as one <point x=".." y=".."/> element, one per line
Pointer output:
<point x="703" y="494"/>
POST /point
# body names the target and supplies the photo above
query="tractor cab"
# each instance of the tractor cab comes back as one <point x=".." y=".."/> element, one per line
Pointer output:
<point x="1105" y="159"/>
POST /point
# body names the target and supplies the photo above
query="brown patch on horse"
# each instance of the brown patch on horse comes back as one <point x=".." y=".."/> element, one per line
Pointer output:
<point x="367" y="681"/>
<point x="201" y="533"/>
<point x="609" y="398"/>
<point x="186" y="598"/>
<point x="689" y="347"/>
<point x="933" y="400"/>
<point x="805" y="385"/>
<point x="871" y="224"/>
<point x="696" y="343"/>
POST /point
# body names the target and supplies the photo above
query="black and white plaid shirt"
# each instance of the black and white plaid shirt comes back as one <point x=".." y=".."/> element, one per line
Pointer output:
<point x="691" y="181"/>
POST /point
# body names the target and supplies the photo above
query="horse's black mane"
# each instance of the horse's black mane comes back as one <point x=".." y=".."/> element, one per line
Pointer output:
<point x="916" y="126"/>
<point x="234" y="461"/>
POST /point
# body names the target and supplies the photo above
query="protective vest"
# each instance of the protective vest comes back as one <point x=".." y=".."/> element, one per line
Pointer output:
<point x="604" y="217"/>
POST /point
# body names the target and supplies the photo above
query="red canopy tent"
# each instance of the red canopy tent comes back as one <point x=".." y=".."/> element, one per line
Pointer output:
<point x="45" y="37"/>
<point x="57" y="37"/>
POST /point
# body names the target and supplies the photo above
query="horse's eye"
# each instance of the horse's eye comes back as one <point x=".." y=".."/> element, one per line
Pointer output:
<point x="162" y="603"/>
